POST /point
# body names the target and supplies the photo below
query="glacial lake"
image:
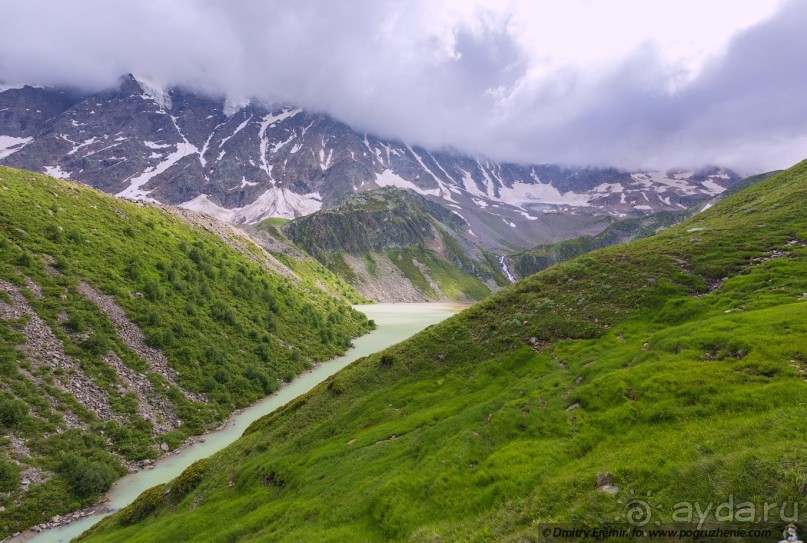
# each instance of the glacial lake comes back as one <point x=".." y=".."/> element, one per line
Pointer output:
<point x="396" y="322"/>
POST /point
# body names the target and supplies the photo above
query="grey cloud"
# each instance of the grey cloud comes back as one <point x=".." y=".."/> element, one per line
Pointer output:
<point x="387" y="67"/>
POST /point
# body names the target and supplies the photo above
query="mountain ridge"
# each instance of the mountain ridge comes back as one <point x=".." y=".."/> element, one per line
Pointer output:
<point x="394" y="245"/>
<point x="526" y="263"/>
<point x="245" y="162"/>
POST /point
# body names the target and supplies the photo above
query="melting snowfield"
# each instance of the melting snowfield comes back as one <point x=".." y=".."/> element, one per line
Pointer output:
<point x="10" y="144"/>
<point x="275" y="202"/>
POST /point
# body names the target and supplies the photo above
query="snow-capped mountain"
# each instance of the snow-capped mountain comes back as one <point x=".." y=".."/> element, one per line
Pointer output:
<point x="243" y="162"/>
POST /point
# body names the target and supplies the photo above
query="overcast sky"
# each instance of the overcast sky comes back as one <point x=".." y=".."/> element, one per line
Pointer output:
<point x="629" y="83"/>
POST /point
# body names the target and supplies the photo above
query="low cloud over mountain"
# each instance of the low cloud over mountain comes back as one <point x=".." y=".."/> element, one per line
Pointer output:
<point x="587" y="83"/>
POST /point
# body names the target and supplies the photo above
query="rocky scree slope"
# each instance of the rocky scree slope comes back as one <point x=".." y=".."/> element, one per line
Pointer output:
<point x="125" y="330"/>
<point x="243" y="161"/>
<point x="668" y="368"/>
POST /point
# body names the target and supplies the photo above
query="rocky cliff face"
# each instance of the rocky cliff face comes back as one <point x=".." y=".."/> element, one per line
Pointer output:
<point x="243" y="162"/>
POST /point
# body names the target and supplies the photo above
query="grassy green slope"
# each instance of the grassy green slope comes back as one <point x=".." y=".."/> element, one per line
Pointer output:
<point x="306" y="268"/>
<point x="541" y="257"/>
<point x="674" y="366"/>
<point x="231" y="329"/>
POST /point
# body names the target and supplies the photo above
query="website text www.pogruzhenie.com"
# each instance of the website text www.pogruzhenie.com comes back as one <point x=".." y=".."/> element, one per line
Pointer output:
<point x="732" y="519"/>
<point x="569" y="533"/>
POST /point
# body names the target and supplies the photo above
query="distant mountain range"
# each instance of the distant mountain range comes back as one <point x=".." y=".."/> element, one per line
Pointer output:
<point x="524" y="263"/>
<point x="244" y="162"/>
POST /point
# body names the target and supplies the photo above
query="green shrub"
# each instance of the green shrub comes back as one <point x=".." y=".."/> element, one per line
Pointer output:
<point x="97" y="345"/>
<point x="387" y="359"/>
<point x="12" y="413"/>
<point x="87" y="478"/>
<point x="189" y="479"/>
<point x="26" y="260"/>
<point x="53" y="233"/>
<point x="75" y="324"/>
<point x="74" y="235"/>
<point x="9" y="477"/>
<point x="145" y="504"/>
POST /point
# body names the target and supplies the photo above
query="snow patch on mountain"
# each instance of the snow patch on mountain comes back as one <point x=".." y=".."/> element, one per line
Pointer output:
<point x="183" y="149"/>
<point x="263" y="146"/>
<point x="521" y="194"/>
<point x="278" y="146"/>
<point x="444" y="193"/>
<point x="10" y="144"/>
<point x="491" y="190"/>
<point x="275" y="202"/>
<point x="286" y="113"/>
<point x="712" y="187"/>
<point x="57" y="171"/>
<point x="80" y="146"/>
<point x="609" y="188"/>
<point x="205" y="147"/>
<point x="325" y="162"/>
<point x="134" y="191"/>
<point x="153" y="145"/>
<point x="470" y="185"/>
<point x="680" y="182"/>
<point x="245" y="183"/>
<point x="238" y="129"/>
<point x="528" y="216"/>
<point x="437" y="162"/>
<point x="388" y="178"/>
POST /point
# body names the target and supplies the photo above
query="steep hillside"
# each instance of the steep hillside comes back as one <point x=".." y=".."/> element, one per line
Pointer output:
<point x="243" y="161"/>
<point x="538" y="258"/>
<point x="394" y="245"/>
<point x="125" y="330"/>
<point x="670" y="369"/>
<point x="278" y="255"/>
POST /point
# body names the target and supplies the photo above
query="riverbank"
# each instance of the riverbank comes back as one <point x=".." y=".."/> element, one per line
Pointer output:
<point x="396" y="322"/>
